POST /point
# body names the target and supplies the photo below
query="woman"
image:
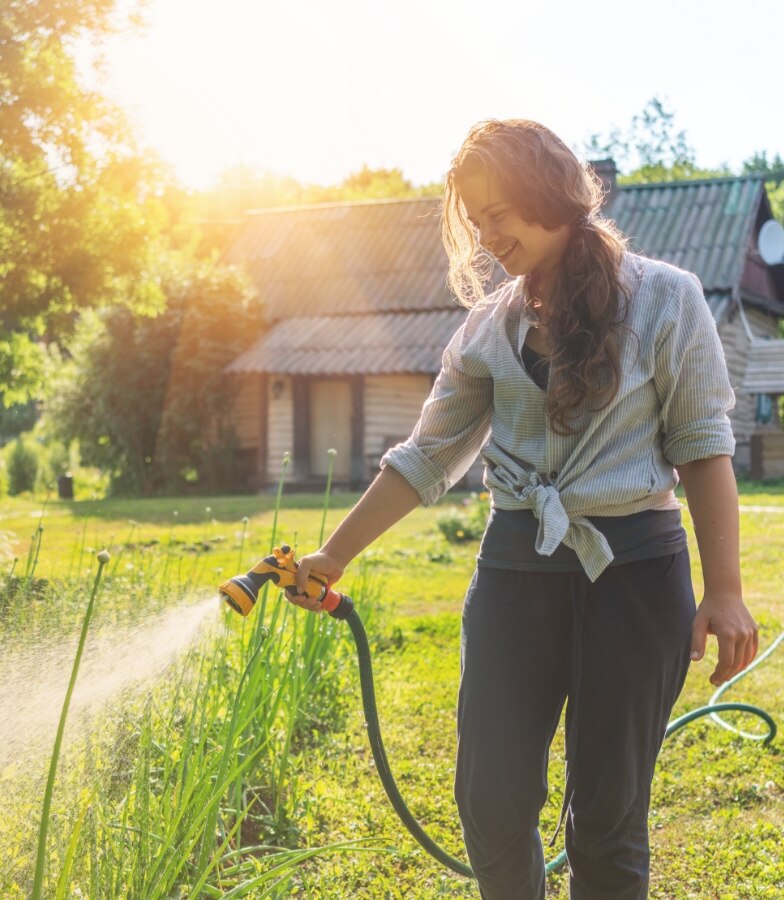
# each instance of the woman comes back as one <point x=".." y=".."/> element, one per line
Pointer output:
<point x="591" y="383"/>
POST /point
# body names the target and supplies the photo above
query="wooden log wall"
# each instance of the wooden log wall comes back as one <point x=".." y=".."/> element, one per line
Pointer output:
<point x="736" y="348"/>
<point x="767" y="455"/>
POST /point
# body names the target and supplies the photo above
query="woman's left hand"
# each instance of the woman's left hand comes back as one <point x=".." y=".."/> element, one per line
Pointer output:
<point x="736" y="631"/>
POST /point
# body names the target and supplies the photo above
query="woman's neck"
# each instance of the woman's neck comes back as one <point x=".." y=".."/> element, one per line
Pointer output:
<point x="540" y="286"/>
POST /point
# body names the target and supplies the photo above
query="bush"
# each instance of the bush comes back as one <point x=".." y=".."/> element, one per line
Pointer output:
<point x="23" y="461"/>
<point x="466" y="523"/>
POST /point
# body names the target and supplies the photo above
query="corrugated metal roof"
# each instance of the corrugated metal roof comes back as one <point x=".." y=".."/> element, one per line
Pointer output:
<point x="381" y="344"/>
<point x="702" y="226"/>
<point x="345" y="258"/>
<point x="384" y="256"/>
<point x="765" y="368"/>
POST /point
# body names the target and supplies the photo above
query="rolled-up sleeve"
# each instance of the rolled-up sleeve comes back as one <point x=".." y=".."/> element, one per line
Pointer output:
<point x="692" y="383"/>
<point x="452" y="428"/>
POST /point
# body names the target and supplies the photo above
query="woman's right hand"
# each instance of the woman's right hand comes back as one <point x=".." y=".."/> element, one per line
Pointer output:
<point x="321" y="564"/>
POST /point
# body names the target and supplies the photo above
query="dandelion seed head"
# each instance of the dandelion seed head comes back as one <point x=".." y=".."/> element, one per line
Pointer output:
<point x="103" y="556"/>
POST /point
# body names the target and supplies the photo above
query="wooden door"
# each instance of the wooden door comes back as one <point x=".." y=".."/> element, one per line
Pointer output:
<point x="330" y="428"/>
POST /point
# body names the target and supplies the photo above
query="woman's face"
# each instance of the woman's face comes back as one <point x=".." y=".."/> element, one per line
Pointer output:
<point x="521" y="247"/>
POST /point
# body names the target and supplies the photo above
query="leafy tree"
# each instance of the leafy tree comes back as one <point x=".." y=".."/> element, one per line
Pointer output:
<point x="650" y="149"/>
<point x="15" y="419"/>
<point x="77" y="202"/>
<point x="242" y="188"/>
<point x="146" y="396"/>
<point x="373" y="184"/>
<point x="759" y="162"/>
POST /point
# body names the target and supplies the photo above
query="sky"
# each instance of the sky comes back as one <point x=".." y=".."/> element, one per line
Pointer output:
<point x="317" y="89"/>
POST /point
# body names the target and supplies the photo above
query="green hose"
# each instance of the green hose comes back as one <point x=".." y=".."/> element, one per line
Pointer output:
<point x="385" y="773"/>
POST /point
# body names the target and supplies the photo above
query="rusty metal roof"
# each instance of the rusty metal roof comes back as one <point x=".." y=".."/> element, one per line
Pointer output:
<point x="703" y="226"/>
<point x="381" y="344"/>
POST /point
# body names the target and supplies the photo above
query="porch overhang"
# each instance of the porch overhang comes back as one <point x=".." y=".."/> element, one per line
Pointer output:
<point x="369" y="344"/>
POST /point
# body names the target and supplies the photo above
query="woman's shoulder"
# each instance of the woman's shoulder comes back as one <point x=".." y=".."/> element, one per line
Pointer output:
<point x="656" y="286"/>
<point x="490" y="311"/>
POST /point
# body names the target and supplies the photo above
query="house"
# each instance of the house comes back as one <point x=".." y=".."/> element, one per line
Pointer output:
<point x="359" y="315"/>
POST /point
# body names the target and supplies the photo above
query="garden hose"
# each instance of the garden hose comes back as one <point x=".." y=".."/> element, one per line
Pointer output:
<point x="241" y="591"/>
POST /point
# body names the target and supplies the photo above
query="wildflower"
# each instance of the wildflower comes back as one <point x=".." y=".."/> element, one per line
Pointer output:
<point x="103" y="556"/>
<point x="332" y="452"/>
<point x="245" y="520"/>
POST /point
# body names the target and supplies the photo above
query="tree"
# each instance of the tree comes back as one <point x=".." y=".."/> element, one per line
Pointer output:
<point x="78" y="204"/>
<point x="373" y="184"/>
<point x="146" y="396"/>
<point x="650" y="149"/>
<point x="758" y="163"/>
<point x="242" y="188"/>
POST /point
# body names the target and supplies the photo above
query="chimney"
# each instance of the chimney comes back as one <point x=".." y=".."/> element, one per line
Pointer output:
<point x="608" y="173"/>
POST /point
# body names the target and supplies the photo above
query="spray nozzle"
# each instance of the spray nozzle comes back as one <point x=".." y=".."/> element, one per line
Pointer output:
<point x="242" y="591"/>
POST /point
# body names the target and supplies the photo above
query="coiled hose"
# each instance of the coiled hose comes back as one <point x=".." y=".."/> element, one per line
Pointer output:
<point x="382" y="764"/>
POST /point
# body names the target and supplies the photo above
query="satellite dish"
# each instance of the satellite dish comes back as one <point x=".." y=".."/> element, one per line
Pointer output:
<point x="770" y="242"/>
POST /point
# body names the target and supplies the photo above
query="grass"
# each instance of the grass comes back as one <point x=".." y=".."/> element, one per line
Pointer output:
<point x="716" y="822"/>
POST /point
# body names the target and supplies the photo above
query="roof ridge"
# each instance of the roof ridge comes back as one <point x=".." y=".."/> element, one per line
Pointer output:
<point x="688" y="182"/>
<point x="333" y="204"/>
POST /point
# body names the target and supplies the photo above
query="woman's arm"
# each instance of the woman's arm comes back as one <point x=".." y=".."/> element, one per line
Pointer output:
<point x="452" y="427"/>
<point x="713" y="503"/>
<point x="388" y="499"/>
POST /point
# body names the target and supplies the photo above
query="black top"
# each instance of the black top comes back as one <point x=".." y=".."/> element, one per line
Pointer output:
<point x="537" y="366"/>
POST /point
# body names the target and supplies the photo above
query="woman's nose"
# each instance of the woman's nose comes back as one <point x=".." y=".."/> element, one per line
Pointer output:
<point x="487" y="234"/>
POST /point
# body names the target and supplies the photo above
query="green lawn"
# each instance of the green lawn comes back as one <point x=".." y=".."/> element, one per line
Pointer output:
<point x="717" y="820"/>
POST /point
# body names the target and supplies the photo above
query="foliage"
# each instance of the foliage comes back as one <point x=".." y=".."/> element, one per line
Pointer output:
<point x="16" y="418"/>
<point x="466" y="523"/>
<point x="759" y="163"/>
<point x="79" y="205"/>
<point x="146" y="396"/>
<point x="650" y="148"/>
<point x="241" y="188"/>
<point x="189" y="786"/>
<point x="23" y="460"/>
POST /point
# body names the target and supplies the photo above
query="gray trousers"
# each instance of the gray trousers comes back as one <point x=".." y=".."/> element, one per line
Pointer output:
<point x="618" y="649"/>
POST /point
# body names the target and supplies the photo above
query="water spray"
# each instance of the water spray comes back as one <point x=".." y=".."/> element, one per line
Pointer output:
<point x="241" y="593"/>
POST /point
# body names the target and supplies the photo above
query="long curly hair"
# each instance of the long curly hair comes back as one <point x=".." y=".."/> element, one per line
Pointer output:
<point x="546" y="183"/>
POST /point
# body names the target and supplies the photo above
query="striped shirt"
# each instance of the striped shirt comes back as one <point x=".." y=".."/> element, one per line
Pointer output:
<point x="670" y="409"/>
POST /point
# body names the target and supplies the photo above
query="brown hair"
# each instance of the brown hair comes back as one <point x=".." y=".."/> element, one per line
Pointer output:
<point x="548" y="185"/>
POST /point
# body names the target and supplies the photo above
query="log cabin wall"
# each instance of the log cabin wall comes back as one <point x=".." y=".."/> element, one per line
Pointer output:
<point x="736" y="350"/>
